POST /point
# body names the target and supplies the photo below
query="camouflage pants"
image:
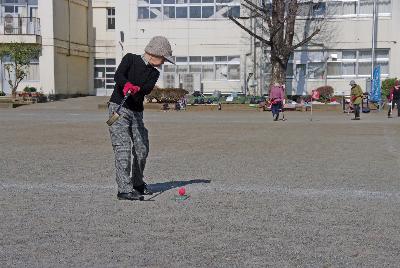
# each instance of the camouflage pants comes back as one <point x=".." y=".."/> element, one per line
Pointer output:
<point x="130" y="142"/>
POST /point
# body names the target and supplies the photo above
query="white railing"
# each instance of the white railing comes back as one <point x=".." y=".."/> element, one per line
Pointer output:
<point x="16" y="25"/>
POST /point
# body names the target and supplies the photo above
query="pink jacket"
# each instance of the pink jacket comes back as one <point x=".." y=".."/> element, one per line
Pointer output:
<point x="276" y="93"/>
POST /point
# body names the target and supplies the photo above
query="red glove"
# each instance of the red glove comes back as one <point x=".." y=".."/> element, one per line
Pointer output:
<point x="130" y="87"/>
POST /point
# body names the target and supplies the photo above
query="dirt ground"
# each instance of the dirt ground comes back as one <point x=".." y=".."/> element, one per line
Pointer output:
<point x="299" y="193"/>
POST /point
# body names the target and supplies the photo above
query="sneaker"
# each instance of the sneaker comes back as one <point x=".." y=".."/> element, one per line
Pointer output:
<point x="134" y="195"/>
<point x="143" y="189"/>
<point x="276" y="117"/>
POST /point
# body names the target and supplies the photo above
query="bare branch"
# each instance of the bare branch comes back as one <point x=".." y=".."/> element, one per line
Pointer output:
<point x="263" y="10"/>
<point x="249" y="31"/>
<point x="306" y="40"/>
<point x="255" y="11"/>
<point x="254" y="6"/>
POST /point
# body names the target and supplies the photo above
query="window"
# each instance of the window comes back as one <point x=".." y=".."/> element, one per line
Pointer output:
<point x="319" y="9"/>
<point x="349" y="68"/>
<point x="195" y="12"/>
<point x="221" y="58"/>
<point x="384" y="6"/>
<point x="221" y="72"/>
<point x="181" y="59"/>
<point x="223" y="68"/>
<point x="365" y="54"/>
<point x="207" y="11"/>
<point x="155" y="12"/>
<point x="234" y="72"/>
<point x="181" y="12"/>
<point x="169" y="80"/>
<point x="195" y="59"/>
<point x="182" y="69"/>
<point x="304" y="9"/>
<point x="335" y="8"/>
<point x="33" y="72"/>
<point x="143" y="13"/>
<point x="207" y="59"/>
<point x="195" y="68"/>
<point x="183" y="9"/>
<point x="104" y="70"/>
<point x="364" y="68"/>
<point x="349" y="8"/>
<point x="169" y="12"/>
<point x="358" y="7"/>
<point x="384" y="68"/>
<point x="349" y="54"/>
<point x="111" y="18"/>
<point x="289" y="70"/>
<point x="208" y="72"/>
<point x="366" y="6"/>
<point x="382" y="54"/>
<point x="169" y="68"/>
<point x="334" y="68"/>
<point x="316" y="70"/>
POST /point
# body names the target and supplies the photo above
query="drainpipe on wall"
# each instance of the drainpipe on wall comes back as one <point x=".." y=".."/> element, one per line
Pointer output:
<point x="1" y="75"/>
<point x="69" y="28"/>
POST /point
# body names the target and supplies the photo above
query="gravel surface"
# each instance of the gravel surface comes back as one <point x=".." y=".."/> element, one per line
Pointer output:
<point x="299" y="193"/>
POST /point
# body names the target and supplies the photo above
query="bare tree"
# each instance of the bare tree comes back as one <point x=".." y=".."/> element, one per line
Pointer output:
<point x="278" y="21"/>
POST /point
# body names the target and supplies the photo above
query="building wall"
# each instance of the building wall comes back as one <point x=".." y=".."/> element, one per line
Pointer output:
<point x="66" y="53"/>
<point x="74" y="74"/>
<point x="194" y="37"/>
<point x="71" y="45"/>
<point x="354" y="34"/>
<point x="104" y="47"/>
<point x="197" y="37"/>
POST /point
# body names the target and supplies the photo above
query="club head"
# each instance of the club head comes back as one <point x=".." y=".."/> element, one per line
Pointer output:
<point x="113" y="119"/>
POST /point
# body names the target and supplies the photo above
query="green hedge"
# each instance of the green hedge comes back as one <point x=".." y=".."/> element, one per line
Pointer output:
<point x="387" y="84"/>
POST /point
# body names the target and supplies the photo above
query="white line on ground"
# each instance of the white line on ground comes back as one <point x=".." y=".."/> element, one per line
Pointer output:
<point x="214" y="188"/>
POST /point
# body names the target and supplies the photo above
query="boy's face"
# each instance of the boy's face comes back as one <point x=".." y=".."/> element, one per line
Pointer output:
<point x="156" y="61"/>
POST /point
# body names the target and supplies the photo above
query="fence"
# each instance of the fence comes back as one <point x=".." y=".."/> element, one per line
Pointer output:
<point x="15" y="25"/>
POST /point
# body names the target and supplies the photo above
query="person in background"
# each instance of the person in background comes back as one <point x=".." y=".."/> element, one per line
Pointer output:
<point x="276" y="97"/>
<point x="394" y="98"/>
<point x="356" y="98"/>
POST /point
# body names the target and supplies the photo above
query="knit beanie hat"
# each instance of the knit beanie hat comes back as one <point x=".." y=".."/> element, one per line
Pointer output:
<point x="160" y="46"/>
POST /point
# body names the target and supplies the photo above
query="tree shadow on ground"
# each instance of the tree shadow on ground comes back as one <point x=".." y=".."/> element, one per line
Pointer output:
<point x="165" y="186"/>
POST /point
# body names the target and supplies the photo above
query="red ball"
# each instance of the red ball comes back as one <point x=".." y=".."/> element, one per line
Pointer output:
<point x="182" y="191"/>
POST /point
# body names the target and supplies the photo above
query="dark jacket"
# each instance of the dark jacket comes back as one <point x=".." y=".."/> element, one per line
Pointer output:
<point x="133" y="69"/>
<point x="395" y="93"/>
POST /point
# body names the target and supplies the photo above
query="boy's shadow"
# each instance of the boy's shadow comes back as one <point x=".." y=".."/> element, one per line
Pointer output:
<point x="165" y="186"/>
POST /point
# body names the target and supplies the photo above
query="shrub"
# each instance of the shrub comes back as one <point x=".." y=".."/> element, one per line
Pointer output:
<point x="325" y="92"/>
<point x="30" y="89"/>
<point x="240" y="100"/>
<point x="168" y="95"/>
<point x="387" y="84"/>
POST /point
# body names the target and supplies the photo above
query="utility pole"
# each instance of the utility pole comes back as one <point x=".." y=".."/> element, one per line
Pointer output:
<point x="373" y="40"/>
<point x="255" y="57"/>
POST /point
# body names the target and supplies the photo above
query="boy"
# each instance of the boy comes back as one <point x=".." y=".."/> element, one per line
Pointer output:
<point x="136" y="74"/>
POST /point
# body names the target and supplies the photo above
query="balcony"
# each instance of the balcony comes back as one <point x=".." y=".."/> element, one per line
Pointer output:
<point x="14" y="28"/>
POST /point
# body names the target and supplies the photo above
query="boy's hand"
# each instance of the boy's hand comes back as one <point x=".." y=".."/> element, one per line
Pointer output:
<point x="130" y="87"/>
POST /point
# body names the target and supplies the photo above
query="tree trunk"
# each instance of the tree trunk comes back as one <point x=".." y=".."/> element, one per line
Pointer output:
<point x="278" y="73"/>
